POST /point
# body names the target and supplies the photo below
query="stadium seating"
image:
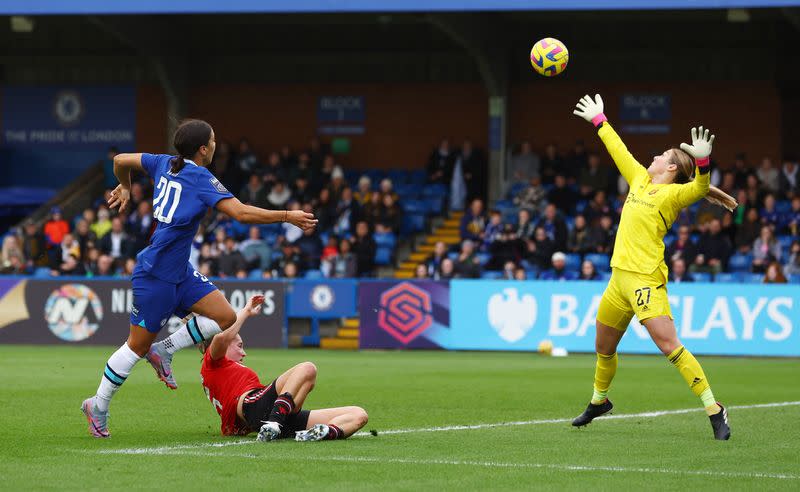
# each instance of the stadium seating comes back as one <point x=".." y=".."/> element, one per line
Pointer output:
<point x="702" y="277"/>
<point x="601" y="261"/>
<point x="740" y="262"/>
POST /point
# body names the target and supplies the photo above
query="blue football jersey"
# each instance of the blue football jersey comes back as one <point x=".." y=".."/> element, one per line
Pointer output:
<point x="179" y="203"/>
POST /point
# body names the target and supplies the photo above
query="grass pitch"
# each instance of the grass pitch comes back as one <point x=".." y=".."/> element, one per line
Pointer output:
<point x="165" y="439"/>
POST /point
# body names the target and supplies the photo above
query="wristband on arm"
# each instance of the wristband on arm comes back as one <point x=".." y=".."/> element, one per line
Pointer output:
<point x="599" y="119"/>
<point x="703" y="162"/>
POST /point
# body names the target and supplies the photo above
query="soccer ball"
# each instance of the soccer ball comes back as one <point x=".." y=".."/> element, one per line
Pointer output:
<point x="545" y="347"/>
<point x="549" y="57"/>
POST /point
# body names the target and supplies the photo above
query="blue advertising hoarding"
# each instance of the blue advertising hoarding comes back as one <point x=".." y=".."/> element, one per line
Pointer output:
<point x="341" y="115"/>
<point x="49" y="7"/>
<point x="645" y="113"/>
<point x="324" y="298"/>
<point x="725" y="320"/>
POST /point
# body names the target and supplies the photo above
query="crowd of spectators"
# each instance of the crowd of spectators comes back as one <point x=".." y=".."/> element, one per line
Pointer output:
<point x="101" y="242"/>
<point x="559" y="219"/>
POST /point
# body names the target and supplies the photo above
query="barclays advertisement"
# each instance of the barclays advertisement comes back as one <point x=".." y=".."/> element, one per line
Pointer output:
<point x="723" y="320"/>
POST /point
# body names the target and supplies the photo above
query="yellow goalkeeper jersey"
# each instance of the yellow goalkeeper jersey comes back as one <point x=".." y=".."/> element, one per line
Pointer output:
<point x="649" y="210"/>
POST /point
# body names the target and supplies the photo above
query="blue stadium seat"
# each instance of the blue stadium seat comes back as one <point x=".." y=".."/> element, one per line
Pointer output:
<point x="573" y="261"/>
<point x="398" y="176"/>
<point x="499" y="204"/>
<point x="269" y="229"/>
<point x="726" y="278"/>
<point x="383" y="256"/>
<point x="385" y="239"/>
<point x="601" y="261"/>
<point x="570" y="222"/>
<point x="414" y="206"/>
<point x="41" y="272"/>
<point x="254" y="274"/>
<point x="516" y="188"/>
<point x="407" y="191"/>
<point x="376" y="175"/>
<point x="412" y="222"/>
<point x="549" y="275"/>
<point x="752" y="278"/>
<point x="668" y="240"/>
<point x="492" y="275"/>
<point x="740" y="263"/>
<point x="581" y="206"/>
<point x="794" y="279"/>
<point x="783" y="206"/>
<point x="483" y="258"/>
<point x="453" y="255"/>
<point x="434" y="189"/>
<point x="435" y="204"/>
<point x="701" y="277"/>
<point x="785" y="241"/>
<point x="314" y="274"/>
<point x="418" y="176"/>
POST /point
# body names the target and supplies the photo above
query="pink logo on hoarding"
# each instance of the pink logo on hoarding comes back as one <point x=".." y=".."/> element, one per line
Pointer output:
<point x="405" y="312"/>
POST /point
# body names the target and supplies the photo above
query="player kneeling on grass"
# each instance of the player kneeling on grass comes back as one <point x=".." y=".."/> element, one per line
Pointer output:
<point x="274" y="411"/>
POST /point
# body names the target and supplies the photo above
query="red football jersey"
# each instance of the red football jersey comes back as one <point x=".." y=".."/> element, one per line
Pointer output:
<point x="224" y="381"/>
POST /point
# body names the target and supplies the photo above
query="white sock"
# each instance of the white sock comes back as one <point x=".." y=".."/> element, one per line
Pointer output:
<point x="116" y="372"/>
<point x="198" y="328"/>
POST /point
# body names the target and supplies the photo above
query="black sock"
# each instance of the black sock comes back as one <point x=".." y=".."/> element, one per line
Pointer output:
<point x="334" y="433"/>
<point x="284" y="405"/>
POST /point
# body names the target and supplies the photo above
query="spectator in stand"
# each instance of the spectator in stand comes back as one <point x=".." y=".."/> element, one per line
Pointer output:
<point x="593" y="177"/>
<point x="33" y="245"/>
<point x="434" y="262"/>
<point x="475" y="169"/>
<point x="287" y="157"/>
<point x="493" y="229"/>
<point x="348" y="212"/>
<point x="552" y="164"/>
<point x="289" y="254"/>
<point x="713" y="250"/>
<point x="218" y="246"/>
<point x="70" y="266"/>
<point x="766" y="249"/>
<point x="473" y="222"/>
<point x="342" y="265"/>
<point x="302" y="170"/>
<point x="532" y="196"/>
<point x="789" y="182"/>
<point x="103" y="224"/>
<point x="559" y="268"/>
<point x="391" y="215"/>
<point x="467" y="264"/>
<point x="292" y="233"/>
<point x="447" y="270"/>
<point x="580" y="239"/>
<point x="69" y="247"/>
<point x="597" y="208"/>
<point x="104" y="267"/>
<point x="682" y="248"/>
<point x="128" y="267"/>
<point x="254" y="192"/>
<point x="525" y="226"/>
<point x="317" y="152"/>
<point x="323" y="177"/>
<point x="364" y="248"/>
<point x="508" y="270"/>
<point x="290" y="270"/>
<point x="109" y="178"/>
<point x="541" y="249"/>
<point x="578" y="160"/>
<point x="302" y="190"/>
<point x="56" y="227"/>
<point x="588" y="271"/>
<point x="364" y="193"/>
<point x="245" y="159"/>
<point x="524" y="165"/>
<point x="678" y="273"/>
<point x="421" y="272"/>
<point x="769" y="215"/>
<point x="793" y="265"/>
<point x="116" y="243"/>
<point x="140" y="224"/>
<point x="792" y="219"/>
<point x="256" y="252"/>
<point x="602" y="235"/>
<point x="457" y="185"/>
<point x="310" y="246"/>
<point x="506" y="247"/>
<point x="278" y="196"/>
<point x="211" y="262"/>
<point x="12" y="259"/>
<point x="224" y="167"/>
<point x="741" y="170"/>
<point x="337" y="184"/>
<point x="387" y="188"/>
<point x="440" y="164"/>
<point x="562" y="195"/>
<point x="331" y="249"/>
<point x="520" y="274"/>
<point x="768" y="175"/>
<point x="748" y="231"/>
<point x="373" y="210"/>
<point x="773" y="274"/>
<point x="325" y="210"/>
<point x="231" y="260"/>
<point x="555" y="227"/>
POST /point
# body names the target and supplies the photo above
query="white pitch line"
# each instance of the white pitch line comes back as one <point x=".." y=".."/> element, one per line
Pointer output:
<point x="495" y="464"/>
<point x="658" y="413"/>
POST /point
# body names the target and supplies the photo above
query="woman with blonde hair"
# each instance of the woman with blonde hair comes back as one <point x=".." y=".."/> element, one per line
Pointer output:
<point x="638" y="283"/>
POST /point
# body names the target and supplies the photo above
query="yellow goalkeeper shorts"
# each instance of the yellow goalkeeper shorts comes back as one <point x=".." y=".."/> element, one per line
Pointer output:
<point x="630" y="293"/>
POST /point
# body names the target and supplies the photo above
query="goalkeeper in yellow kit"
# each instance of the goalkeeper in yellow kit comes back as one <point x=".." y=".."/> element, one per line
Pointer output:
<point x="638" y="282"/>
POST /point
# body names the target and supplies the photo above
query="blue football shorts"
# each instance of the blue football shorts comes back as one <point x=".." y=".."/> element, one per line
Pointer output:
<point x="155" y="300"/>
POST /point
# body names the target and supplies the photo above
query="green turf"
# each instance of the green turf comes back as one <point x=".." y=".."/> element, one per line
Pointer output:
<point x="44" y="443"/>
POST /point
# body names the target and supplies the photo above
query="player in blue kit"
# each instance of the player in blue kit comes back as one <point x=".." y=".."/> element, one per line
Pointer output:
<point x="164" y="282"/>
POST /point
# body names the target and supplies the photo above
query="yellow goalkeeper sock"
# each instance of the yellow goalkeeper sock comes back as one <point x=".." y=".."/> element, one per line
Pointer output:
<point x="604" y="372"/>
<point x="694" y="376"/>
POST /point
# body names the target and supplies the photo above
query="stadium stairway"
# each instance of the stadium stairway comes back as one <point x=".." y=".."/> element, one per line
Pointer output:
<point x="448" y="233"/>
<point x="346" y="336"/>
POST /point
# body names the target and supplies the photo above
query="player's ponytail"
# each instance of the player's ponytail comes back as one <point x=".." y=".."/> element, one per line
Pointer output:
<point x="686" y="166"/>
<point x="189" y="137"/>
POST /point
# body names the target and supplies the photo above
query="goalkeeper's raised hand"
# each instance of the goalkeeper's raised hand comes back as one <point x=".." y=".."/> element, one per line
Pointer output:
<point x="701" y="146"/>
<point x="591" y="110"/>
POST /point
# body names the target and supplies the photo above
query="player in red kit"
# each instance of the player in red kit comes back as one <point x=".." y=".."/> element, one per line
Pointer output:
<point x="275" y="410"/>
